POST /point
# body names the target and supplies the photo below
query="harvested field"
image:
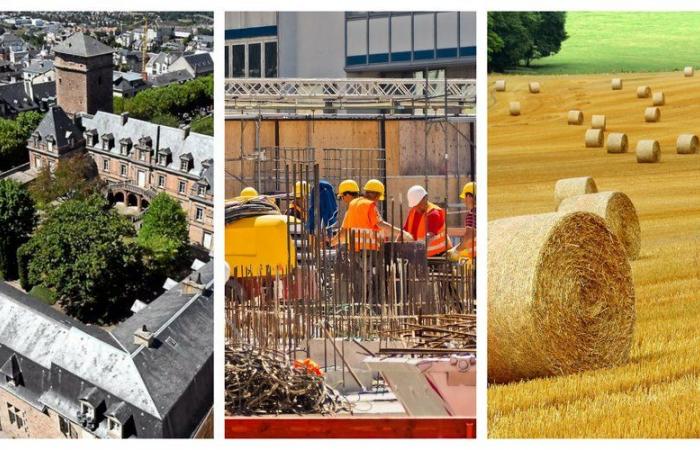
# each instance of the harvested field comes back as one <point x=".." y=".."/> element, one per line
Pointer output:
<point x="653" y="395"/>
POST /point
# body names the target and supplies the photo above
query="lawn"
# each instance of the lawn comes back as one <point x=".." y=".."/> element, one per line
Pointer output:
<point x="656" y="392"/>
<point x="607" y="42"/>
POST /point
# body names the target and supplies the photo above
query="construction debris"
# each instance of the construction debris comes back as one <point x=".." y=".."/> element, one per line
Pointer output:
<point x="266" y="382"/>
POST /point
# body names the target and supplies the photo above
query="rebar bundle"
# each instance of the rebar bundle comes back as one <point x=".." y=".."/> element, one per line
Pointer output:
<point x="265" y="382"/>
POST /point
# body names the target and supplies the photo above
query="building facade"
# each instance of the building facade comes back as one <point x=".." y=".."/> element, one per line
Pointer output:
<point x="83" y="68"/>
<point x="351" y="44"/>
<point x="137" y="159"/>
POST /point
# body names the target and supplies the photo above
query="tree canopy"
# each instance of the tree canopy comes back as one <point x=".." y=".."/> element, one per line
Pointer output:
<point x="74" y="178"/>
<point x="172" y="100"/>
<point x="516" y="38"/>
<point x="13" y="138"/>
<point x="164" y="232"/>
<point x="86" y="254"/>
<point x="17" y="221"/>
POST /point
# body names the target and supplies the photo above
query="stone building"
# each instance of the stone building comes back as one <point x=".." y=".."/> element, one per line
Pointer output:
<point x="149" y="377"/>
<point x="83" y="68"/>
<point x="138" y="159"/>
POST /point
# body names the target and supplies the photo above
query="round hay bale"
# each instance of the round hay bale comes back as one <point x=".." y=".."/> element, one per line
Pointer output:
<point x="616" y="84"/>
<point x="648" y="151"/>
<point x="575" y="117"/>
<point x="598" y="121"/>
<point x="617" y="143"/>
<point x="534" y="87"/>
<point x="560" y="297"/>
<point x="500" y="85"/>
<point x="594" y="137"/>
<point x="659" y="99"/>
<point x="643" y="92"/>
<point x="617" y="210"/>
<point x="689" y="71"/>
<point x="652" y="114"/>
<point x="514" y="108"/>
<point x="686" y="144"/>
<point x="571" y="187"/>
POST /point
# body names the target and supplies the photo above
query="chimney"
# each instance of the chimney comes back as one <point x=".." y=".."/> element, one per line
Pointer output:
<point x="29" y="89"/>
<point x="192" y="284"/>
<point x="143" y="337"/>
<point x="125" y="117"/>
<point x="186" y="131"/>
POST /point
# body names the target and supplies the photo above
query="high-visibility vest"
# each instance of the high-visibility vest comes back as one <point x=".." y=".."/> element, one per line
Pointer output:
<point x="440" y="242"/>
<point x="357" y="221"/>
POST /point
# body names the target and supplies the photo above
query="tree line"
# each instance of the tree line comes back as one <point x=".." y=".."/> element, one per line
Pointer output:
<point x="518" y="38"/>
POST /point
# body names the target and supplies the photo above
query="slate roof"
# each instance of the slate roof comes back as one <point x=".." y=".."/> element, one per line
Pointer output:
<point x="199" y="145"/>
<point x="201" y="63"/>
<point x="63" y="360"/>
<point x="56" y="123"/>
<point x="39" y="66"/>
<point x="176" y="76"/>
<point x="80" y="44"/>
<point x="15" y="95"/>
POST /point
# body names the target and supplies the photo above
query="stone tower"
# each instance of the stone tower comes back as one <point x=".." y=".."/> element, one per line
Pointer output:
<point x="84" y="68"/>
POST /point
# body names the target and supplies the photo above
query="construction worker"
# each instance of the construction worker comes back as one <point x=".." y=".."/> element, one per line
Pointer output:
<point x="298" y="206"/>
<point x="362" y="217"/>
<point x="426" y="220"/>
<point x="467" y="248"/>
<point x="348" y="190"/>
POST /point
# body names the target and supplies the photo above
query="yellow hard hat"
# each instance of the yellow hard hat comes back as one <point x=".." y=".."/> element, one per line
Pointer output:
<point x="348" y="186"/>
<point x="469" y="188"/>
<point x="375" y="186"/>
<point x="301" y="189"/>
<point x="249" y="192"/>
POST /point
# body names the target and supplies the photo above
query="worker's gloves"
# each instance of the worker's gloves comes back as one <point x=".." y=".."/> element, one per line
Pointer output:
<point x="452" y="255"/>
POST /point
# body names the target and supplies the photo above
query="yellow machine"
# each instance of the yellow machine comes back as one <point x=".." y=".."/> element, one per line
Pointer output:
<point x="257" y="239"/>
<point x="255" y="243"/>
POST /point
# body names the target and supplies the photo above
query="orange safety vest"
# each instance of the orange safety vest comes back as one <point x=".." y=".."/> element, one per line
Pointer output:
<point x="440" y="242"/>
<point x="357" y="220"/>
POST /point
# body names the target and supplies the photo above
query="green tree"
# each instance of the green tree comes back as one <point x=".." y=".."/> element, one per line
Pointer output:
<point x="166" y="119"/>
<point x="203" y="125"/>
<point x="13" y="138"/>
<point x="164" y="233"/>
<point x="86" y="254"/>
<point x="74" y="178"/>
<point x="17" y="220"/>
<point x="519" y="37"/>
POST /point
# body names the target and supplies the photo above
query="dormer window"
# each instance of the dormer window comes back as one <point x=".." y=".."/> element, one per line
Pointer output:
<point x="50" y="141"/>
<point x="186" y="162"/>
<point x="114" y="428"/>
<point x="91" y="137"/>
<point x="12" y="371"/>
<point x="107" y="141"/>
<point x="164" y="157"/>
<point x="146" y="141"/>
<point x="36" y="137"/>
<point x="142" y="154"/>
<point x="87" y="410"/>
<point x="124" y="146"/>
<point x="201" y="190"/>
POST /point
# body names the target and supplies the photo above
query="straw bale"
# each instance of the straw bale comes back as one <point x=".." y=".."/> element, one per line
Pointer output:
<point x="594" y="137"/>
<point x="617" y="143"/>
<point x="560" y="297"/>
<point x="534" y="87"/>
<point x="569" y="187"/>
<point x="686" y="144"/>
<point x="616" y="84"/>
<point x="500" y="85"/>
<point x="648" y="151"/>
<point x="689" y="71"/>
<point x="643" y="92"/>
<point x="598" y="121"/>
<point x="652" y="114"/>
<point x="658" y="99"/>
<point x="514" y="108"/>
<point x="618" y="211"/>
<point x="575" y="117"/>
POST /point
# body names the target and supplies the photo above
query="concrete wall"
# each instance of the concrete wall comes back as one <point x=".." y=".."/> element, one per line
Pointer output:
<point x="240" y="19"/>
<point x="311" y="44"/>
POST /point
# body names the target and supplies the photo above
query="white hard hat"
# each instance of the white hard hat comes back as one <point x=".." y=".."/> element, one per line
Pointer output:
<point x="415" y="195"/>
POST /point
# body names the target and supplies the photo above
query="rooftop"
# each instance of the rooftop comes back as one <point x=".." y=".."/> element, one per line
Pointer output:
<point x="80" y="44"/>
